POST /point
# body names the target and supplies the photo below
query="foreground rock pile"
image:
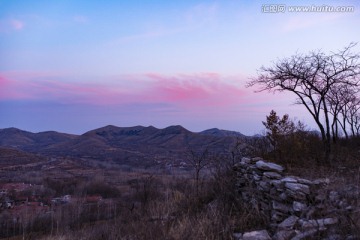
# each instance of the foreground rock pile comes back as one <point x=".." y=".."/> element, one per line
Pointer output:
<point x="297" y="208"/>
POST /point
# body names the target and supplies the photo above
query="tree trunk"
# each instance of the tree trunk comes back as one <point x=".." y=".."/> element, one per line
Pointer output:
<point x="328" y="135"/>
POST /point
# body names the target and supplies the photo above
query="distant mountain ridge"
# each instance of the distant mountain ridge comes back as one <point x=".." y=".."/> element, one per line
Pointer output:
<point x="222" y="133"/>
<point x="13" y="137"/>
<point x="136" y="145"/>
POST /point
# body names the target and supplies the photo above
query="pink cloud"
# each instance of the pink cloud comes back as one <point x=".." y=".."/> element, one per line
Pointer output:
<point x="8" y="90"/>
<point x="188" y="91"/>
<point x="17" y="24"/>
<point x="195" y="90"/>
<point x="3" y="82"/>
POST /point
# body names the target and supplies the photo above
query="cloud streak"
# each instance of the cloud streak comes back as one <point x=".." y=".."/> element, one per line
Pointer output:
<point x="187" y="91"/>
<point x="194" y="18"/>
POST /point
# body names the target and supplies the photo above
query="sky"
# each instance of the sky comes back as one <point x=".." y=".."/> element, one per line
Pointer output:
<point x="72" y="66"/>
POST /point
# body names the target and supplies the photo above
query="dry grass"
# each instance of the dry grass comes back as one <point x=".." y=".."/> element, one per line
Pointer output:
<point x="163" y="206"/>
<point x="170" y="208"/>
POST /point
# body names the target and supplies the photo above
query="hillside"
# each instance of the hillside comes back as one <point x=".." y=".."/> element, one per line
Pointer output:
<point x="13" y="157"/>
<point x="222" y="133"/>
<point x="138" y="145"/>
<point x="13" y="137"/>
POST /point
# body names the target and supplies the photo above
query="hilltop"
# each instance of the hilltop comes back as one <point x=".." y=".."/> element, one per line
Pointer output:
<point x="137" y="146"/>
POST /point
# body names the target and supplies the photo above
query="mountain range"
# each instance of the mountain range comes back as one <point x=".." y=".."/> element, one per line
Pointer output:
<point x="136" y="146"/>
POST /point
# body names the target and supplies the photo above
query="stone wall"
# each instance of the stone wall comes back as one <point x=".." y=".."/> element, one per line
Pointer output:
<point x="297" y="208"/>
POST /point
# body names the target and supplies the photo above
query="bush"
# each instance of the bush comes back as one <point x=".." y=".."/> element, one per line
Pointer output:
<point x="101" y="188"/>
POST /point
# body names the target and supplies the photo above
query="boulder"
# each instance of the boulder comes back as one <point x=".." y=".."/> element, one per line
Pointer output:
<point x="255" y="159"/>
<point x="245" y="160"/>
<point x="276" y="183"/>
<point x="237" y="236"/>
<point x="277" y="216"/>
<point x="297" y="195"/>
<point x="323" y="182"/>
<point x="284" y="235"/>
<point x="264" y="186"/>
<point x="281" y="207"/>
<point x="272" y="175"/>
<point x="299" y="207"/>
<point x="266" y="166"/>
<point x="256" y="235"/>
<point x="310" y="234"/>
<point x="328" y="221"/>
<point x="288" y="223"/>
<point x="289" y="179"/>
<point x="298" y="187"/>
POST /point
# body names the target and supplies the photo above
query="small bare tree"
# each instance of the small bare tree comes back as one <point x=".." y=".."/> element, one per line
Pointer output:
<point x="198" y="160"/>
<point x="338" y="101"/>
<point x="353" y="115"/>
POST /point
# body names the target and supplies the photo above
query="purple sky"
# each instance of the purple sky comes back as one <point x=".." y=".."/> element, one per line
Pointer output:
<point x="72" y="66"/>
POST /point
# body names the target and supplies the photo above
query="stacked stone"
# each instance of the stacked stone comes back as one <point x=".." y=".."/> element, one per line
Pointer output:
<point x="293" y="204"/>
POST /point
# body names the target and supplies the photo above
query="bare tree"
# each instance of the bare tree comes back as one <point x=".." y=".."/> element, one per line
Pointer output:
<point x="344" y="106"/>
<point x="198" y="160"/>
<point x="338" y="100"/>
<point x="311" y="77"/>
<point x="353" y="115"/>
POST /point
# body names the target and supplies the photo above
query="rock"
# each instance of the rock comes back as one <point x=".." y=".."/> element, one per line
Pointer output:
<point x="237" y="236"/>
<point x="298" y="187"/>
<point x="349" y="208"/>
<point x="288" y="223"/>
<point x="284" y="235"/>
<point x="265" y="186"/>
<point x="304" y="181"/>
<point x="283" y="196"/>
<point x="327" y="221"/>
<point x="274" y="194"/>
<point x="334" y="196"/>
<point x="305" y="235"/>
<point x="321" y="206"/>
<point x="322" y="182"/>
<point x="319" y="224"/>
<point x="269" y="166"/>
<point x="272" y="175"/>
<point x="297" y="195"/>
<point x="277" y="216"/>
<point x="289" y="179"/>
<point x="310" y="212"/>
<point x="281" y="207"/>
<point x="297" y="179"/>
<point x="321" y="196"/>
<point x="256" y="235"/>
<point x="299" y="207"/>
<point x="308" y="224"/>
<point x="239" y="166"/>
<point x="256" y="177"/>
<point x="246" y="160"/>
<point x="343" y="204"/>
<point x="293" y="204"/>
<point x="255" y="159"/>
<point x="276" y="183"/>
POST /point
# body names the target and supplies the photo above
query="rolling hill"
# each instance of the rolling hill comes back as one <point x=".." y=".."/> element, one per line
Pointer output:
<point x="138" y="145"/>
<point x="222" y="133"/>
<point x="16" y="138"/>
